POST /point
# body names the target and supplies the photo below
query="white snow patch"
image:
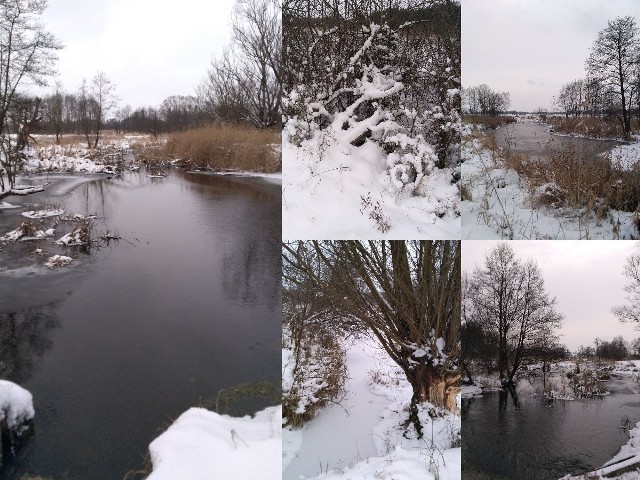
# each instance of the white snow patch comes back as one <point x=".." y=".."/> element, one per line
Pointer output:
<point x="201" y="445"/>
<point x="36" y="214"/>
<point x="58" y="261"/>
<point x="16" y="404"/>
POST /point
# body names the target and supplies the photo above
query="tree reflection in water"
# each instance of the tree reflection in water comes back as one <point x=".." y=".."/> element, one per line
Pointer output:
<point x="24" y="337"/>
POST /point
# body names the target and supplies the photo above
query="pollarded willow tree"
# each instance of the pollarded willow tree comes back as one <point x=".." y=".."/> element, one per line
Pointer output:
<point x="507" y="299"/>
<point x="407" y="294"/>
<point x="27" y="54"/>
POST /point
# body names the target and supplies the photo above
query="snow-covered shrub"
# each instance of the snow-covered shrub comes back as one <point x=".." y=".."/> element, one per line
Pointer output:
<point x="587" y="384"/>
<point x="79" y="236"/>
<point x="313" y="374"/>
<point x="409" y="161"/>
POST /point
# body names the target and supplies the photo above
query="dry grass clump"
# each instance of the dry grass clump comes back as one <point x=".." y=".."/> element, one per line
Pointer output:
<point x="571" y="178"/>
<point x="489" y="121"/>
<point x="228" y="147"/>
<point x="587" y="126"/>
<point x="151" y="153"/>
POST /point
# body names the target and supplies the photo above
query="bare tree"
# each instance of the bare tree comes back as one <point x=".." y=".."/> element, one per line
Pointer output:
<point x="571" y="98"/>
<point x="104" y="100"/>
<point x="613" y="61"/>
<point x="631" y="311"/>
<point x="483" y="100"/>
<point x="408" y="296"/>
<point x="27" y="54"/>
<point x="54" y="106"/>
<point x="84" y="111"/>
<point x="508" y="298"/>
<point x="245" y="83"/>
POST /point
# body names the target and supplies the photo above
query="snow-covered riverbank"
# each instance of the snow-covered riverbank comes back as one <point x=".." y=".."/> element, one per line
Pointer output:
<point x="363" y="435"/>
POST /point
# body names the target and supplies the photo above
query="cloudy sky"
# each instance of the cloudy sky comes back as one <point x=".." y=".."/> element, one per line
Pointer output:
<point x="532" y="47"/>
<point x="585" y="277"/>
<point x="150" y="49"/>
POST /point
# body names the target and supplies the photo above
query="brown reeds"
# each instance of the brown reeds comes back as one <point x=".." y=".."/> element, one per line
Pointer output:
<point x="587" y="126"/>
<point x="488" y="121"/>
<point x="228" y="147"/>
<point x="572" y="178"/>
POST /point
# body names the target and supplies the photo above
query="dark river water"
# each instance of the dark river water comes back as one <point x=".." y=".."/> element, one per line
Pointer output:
<point x="119" y="344"/>
<point x="538" y="439"/>
<point x="534" y="139"/>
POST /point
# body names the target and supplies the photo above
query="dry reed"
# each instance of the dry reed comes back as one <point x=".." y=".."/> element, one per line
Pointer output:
<point x="227" y="147"/>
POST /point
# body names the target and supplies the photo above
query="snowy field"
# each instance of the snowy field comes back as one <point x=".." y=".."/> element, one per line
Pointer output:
<point x="361" y="436"/>
<point x="502" y="205"/>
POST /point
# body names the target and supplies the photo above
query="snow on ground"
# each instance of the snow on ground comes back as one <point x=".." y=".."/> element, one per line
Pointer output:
<point x="7" y="205"/>
<point x="471" y="391"/>
<point x="362" y="436"/>
<point x="270" y="177"/>
<point x="45" y="213"/>
<point x="501" y="207"/>
<point x="61" y="162"/>
<point x="24" y="234"/>
<point x="16" y="404"/>
<point x="337" y="191"/>
<point x="627" y="156"/>
<point x="201" y="445"/>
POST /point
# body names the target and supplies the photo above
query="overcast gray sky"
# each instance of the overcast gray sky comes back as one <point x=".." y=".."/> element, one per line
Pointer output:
<point x="585" y="277"/>
<point x="150" y="49"/>
<point x="532" y="47"/>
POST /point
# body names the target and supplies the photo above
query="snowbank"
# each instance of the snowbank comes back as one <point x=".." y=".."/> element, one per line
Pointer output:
<point x="201" y="445"/>
<point x="16" y="404"/>
<point x="334" y="190"/>
<point x="401" y="464"/>
<point x="471" y="391"/>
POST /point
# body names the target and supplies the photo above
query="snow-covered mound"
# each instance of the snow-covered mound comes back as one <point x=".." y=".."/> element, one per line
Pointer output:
<point x="16" y="404"/>
<point x="58" y="261"/>
<point x="336" y="190"/>
<point x="202" y="445"/>
<point x="45" y="213"/>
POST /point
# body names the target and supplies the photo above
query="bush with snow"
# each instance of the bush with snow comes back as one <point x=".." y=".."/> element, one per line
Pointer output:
<point x="313" y="373"/>
<point x="371" y="110"/>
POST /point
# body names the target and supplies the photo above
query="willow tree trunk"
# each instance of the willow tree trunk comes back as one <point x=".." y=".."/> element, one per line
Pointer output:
<point x="431" y="384"/>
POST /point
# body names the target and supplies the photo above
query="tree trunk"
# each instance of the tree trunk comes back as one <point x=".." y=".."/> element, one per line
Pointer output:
<point x="434" y="385"/>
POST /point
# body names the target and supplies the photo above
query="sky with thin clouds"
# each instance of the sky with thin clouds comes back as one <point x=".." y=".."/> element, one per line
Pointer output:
<point x="150" y="49"/>
<point x="531" y="48"/>
<point x="585" y="277"/>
